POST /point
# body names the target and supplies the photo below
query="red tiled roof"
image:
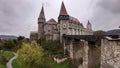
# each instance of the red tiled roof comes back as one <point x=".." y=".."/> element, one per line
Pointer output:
<point x="52" y="21"/>
<point x="74" y="20"/>
<point x="63" y="10"/>
<point x="82" y="25"/>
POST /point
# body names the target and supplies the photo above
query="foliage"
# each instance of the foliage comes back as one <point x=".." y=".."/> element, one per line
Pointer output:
<point x="13" y="45"/>
<point x="20" y="38"/>
<point x="2" y="66"/>
<point x="5" y="56"/>
<point x="7" y="44"/>
<point x="1" y="45"/>
<point x="99" y="32"/>
<point x="65" y="64"/>
<point x="53" y="47"/>
<point x="31" y="54"/>
<point x="19" y="43"/>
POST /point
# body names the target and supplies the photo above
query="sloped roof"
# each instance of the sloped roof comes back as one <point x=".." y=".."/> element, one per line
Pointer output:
<point x="82" y="25"/>
<point x="63" y="10"/>
<point x="75" y="20"/>
<point x="52" y="21"/>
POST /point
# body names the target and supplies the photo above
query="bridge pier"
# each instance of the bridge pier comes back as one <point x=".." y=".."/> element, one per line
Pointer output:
<point x="83" y="53"/>
<point x="78" y="52"/>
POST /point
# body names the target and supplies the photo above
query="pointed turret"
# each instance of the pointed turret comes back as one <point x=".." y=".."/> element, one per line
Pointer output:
<point x="42" y="15"/>
<point x="63" y="10"/>
<point x="63" y="13"/>
<point x="89" y="26"/>
<point x="41" y="18"/>
<point x="89" y="22"/>
<point x="41" y="22"/>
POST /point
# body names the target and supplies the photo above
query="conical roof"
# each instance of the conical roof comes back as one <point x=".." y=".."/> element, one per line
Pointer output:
<point x="63" y="10"/>
<point x="42" y="15"/>
<point x="89" y="22"/>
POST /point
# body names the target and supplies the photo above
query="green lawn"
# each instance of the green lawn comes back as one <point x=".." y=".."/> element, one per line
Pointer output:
<point x="2" y="66"/>
<point x="65" y="64"/>
<point x="5" y="56"/>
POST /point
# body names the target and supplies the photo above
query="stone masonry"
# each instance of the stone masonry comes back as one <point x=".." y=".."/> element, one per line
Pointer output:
<point x="88" y="51"/>
<point x="110" y="53"/>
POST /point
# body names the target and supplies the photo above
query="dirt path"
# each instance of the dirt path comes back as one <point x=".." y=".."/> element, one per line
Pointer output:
<point x="9" y="64"/>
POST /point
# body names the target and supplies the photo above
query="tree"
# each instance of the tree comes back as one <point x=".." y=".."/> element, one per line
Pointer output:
<point x="8" y="44"/>
<point x="20" y="38"/>
<point x="31" y="54"/>
<point x="99" y="32"/>
<point x="53" y="47"/>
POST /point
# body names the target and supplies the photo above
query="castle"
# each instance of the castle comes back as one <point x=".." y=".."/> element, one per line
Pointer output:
<point x="66" y="25"/>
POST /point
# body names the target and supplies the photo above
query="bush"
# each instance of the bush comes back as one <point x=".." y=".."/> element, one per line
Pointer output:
<point x="52" y="47"/>
<point x="5" y="56"/>
<point x="31" y="55"/>
<point x="7" y="45"/>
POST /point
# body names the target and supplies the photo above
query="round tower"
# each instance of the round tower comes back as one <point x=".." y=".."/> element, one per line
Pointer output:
<point x="41" y="21"/>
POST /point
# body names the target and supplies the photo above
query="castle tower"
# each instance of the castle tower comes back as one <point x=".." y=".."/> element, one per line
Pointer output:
<point x="89" y="26"/>
<point x="41" y="21"/>
<point x="63" y="21"/>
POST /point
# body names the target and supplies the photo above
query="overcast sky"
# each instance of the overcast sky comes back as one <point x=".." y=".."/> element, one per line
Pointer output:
<point x="19" y="17"/>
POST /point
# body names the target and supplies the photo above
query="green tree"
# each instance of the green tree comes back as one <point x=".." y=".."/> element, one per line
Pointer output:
<point x="20" y="38"/>
<point x="99" y="32"/>
<point x="8" y="44"/>
<point x="31" y="54"/>
<point x="52" y="47"/>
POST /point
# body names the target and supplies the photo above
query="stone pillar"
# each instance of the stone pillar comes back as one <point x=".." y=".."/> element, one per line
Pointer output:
<point x="79" y="53"/>
<point x="64" y="46"/>
<point x="85" y="58"/>
<point x="71" y="49"/>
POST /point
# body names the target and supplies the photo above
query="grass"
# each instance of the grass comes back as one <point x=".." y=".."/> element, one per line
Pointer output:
<point x="65" y="64"/>
<point x="2" y="66"/>
<point x="5" y="56"/>
<point x="16" y="64"/>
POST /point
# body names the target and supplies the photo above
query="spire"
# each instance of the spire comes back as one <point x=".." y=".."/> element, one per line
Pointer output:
<point x="63" y="10"/>
<point x="42" y="15"/>
<point x="89" y="22"/>
<point x="89" y="26"/>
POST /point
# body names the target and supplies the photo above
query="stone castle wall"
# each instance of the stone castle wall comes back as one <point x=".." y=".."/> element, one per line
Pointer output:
<point x="110" y="54"/>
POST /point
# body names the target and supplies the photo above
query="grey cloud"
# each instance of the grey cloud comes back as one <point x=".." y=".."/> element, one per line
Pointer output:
<point x="111" y="5"/>
<point x="106" y="15"/>
<point x="15" y="16"/>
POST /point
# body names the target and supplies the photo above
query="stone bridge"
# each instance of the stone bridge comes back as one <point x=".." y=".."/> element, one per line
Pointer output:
<point x="90" y="51"/>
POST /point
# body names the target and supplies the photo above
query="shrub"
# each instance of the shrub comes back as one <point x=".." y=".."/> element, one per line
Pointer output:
<point x="31" y="54"/>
